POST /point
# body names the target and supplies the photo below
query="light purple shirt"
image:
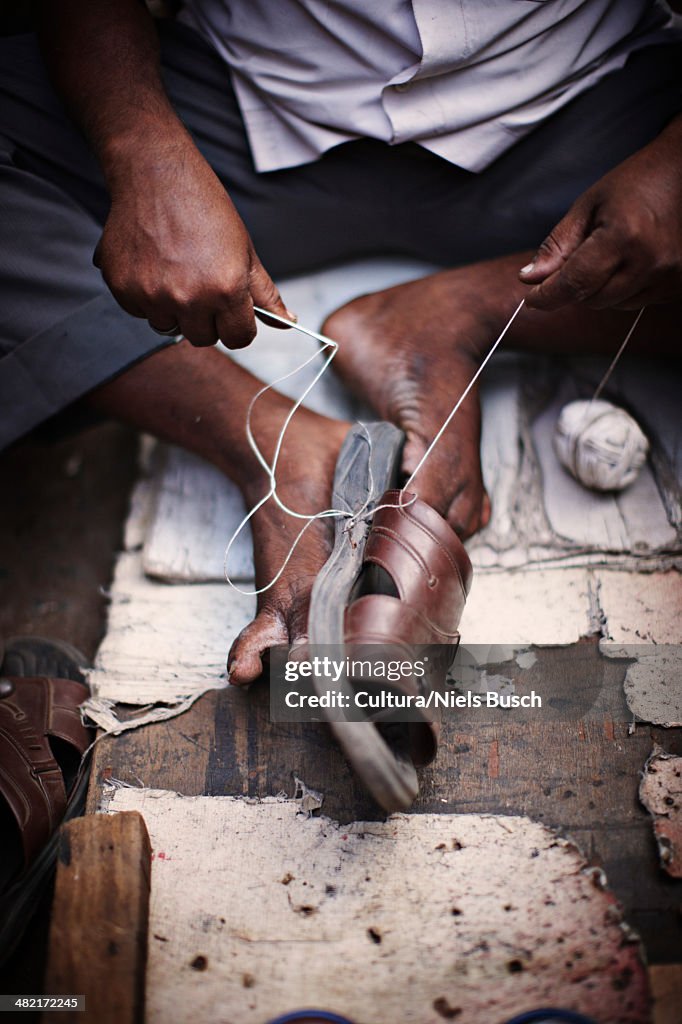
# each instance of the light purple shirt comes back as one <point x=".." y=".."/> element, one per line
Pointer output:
<point x="463" y="78"/>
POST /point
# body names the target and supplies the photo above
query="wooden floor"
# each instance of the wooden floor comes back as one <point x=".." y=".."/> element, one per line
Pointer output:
<point x="63" y="506"/>
<point x="62" y="521"/>
<point x="578" y="776"/>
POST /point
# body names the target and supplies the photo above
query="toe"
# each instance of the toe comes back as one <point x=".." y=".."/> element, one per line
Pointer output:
<point x="245" y="660"/>
<point x="470" y="509"/>
<point x="467" y="504"/>
<point x="464" y="514"/>
<point x="486" y="510"/>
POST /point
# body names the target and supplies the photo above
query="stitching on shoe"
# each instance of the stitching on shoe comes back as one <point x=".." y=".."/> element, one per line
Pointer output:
<point x="438" y="542"/>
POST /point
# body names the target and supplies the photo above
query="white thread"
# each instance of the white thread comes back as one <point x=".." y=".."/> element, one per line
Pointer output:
<point x="600" y="444"/>
<point x="614" y="361"/>
<point x="270" y="469"/>
<point x="353" y="517"/>
<point x="447" y="422"/>
<point x="463" y="396"/>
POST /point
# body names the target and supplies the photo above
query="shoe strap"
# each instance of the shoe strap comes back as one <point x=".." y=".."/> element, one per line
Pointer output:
<point x="423" y="556"/>
<point x="31" y="780"/>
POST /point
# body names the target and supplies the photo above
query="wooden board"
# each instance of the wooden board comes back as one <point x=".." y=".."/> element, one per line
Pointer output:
<point x="195" y="513"/>
<point x="666" y="988"/>
<point x="98" y="933"/>
<point x="661" y="793"/>
<point x="165" y="643"/>
<point x="642" y="621"/>
<point x="581" y="777"/>
<point x="632" y="521"/>
<point x="409" y="920"/>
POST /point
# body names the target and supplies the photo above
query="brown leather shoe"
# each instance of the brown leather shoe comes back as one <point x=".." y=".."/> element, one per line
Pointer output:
<point x="428" y="575"/>
<point x="43" y="779"/>
<point x="397" y="580"/>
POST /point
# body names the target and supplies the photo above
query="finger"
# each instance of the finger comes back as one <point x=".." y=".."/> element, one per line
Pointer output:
<point x="555" y="250"/>
<point x="649" y="287"/>
<point x="134" y="305"/>
<point x="582" y="276"/>
<point x="647" y="297"/>
<point x="198" y="326"/>
<point x="236" y="324"/>
<point x="269" y="321"/>
<point x="618" y="292"/>
<point x="264" y="293"/>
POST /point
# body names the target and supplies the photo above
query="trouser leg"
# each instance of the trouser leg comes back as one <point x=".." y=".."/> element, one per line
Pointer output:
<point x="62" y="333"/>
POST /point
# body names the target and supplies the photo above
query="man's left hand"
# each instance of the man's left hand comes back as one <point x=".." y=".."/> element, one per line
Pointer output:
<point x="620" y="244"/>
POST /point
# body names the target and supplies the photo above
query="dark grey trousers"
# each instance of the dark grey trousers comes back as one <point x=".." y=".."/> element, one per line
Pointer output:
<point x="61" y="332"/>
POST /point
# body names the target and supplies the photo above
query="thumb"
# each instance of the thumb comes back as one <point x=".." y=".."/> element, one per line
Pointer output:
<point x="560" y="243"/>
<point x="265" y="294"/>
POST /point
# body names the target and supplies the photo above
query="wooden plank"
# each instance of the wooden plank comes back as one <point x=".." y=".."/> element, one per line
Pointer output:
<point x="174" y="754"/>
<point x="197" y="511"/>
<point x="98" y="935"/>
<point x="666" y="988"/>
<point x="412" y="919"/>
<point x="661" y="793"/>
<point x="634" y="521"/>
<point x="651" y="390"/>
<point x="500" y="459"/>
<point x="533" y="606"/>
<point x="580" y="776"/>
<point x="164" y="643"/>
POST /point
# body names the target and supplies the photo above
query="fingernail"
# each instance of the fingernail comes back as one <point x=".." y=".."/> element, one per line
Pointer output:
<point x="292" y="317"/>
<point x="528" y="269"/>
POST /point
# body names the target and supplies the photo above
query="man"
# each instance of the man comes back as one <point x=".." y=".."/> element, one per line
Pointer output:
<point x="298" y="133"/>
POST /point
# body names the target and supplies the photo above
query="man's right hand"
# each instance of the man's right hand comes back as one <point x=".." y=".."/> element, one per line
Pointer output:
<point x="175" y="252"/>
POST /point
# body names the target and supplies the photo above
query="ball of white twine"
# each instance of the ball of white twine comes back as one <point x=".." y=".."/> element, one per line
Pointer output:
<point x="601" y="445"/>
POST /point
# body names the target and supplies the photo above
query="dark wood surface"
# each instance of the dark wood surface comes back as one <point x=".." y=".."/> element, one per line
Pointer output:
<point x="63" y="507"/>
<point x="577" y="771"/>
<point x="98" y="935"/>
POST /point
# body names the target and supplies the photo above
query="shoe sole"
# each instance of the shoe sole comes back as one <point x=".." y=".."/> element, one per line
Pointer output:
<point x="367" y="466"/>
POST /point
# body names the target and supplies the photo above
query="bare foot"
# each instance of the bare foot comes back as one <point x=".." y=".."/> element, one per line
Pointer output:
<point x="198" y="399"/>
<point x="306" y="473"/>
<point x="410" y="351"/>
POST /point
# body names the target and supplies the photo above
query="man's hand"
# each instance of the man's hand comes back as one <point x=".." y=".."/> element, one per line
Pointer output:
<point x="620" y="244"/>
<point x="175" y="251"/>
